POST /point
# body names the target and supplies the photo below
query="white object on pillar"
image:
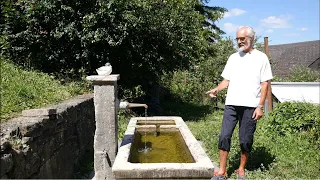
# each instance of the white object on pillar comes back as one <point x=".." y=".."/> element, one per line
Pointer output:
<point x="105" y="70"/>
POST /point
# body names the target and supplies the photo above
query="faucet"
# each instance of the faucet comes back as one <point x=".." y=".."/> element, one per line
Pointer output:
<point x="131" y="105"/>
<point x="126" y="105"/>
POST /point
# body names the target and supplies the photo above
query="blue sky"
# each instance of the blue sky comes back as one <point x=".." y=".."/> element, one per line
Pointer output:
<point x="282" y="21"/>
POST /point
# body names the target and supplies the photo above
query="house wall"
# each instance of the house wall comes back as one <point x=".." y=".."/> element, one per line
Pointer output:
<point x="296" y="91"/>
<point x="49" y="142"/>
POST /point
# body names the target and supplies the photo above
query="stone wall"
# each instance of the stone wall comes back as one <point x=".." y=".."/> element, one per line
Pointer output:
<point x="49" y="142"/>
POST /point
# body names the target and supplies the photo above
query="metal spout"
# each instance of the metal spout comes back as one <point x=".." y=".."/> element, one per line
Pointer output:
<point x="132" y="105"/>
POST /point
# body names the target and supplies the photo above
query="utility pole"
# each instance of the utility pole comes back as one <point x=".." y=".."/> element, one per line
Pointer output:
<point x="269" y="92"/>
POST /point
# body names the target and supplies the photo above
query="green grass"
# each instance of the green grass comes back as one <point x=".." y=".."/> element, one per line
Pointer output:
<point x="273" y="157"/>
<point x="124" y="116"/>
<point x="22" y="89"/>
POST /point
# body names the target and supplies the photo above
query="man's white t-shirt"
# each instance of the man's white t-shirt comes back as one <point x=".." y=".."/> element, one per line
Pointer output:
<point x="245" y="72"/>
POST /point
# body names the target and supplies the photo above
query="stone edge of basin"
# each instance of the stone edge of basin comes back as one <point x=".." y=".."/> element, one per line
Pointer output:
<point x="202" y="168"/>
<point x="111" y="78"/>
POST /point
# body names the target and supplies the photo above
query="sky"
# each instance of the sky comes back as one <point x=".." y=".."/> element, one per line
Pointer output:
<point x="282" y="21"/>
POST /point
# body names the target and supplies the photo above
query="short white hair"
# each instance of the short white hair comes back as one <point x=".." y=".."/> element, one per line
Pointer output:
<point x="249" y="29"/>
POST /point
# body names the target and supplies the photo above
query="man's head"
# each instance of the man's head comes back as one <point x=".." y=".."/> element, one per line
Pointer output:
<point x="245" y="38"/>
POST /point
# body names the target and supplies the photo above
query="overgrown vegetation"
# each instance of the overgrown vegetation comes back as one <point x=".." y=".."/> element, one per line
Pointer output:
<point x="190" y="85"/>
<point x="293" y="117"/>
<point x="300" y="74"/>
<point x="21" y="89"/>
<point x="304" y="74"/>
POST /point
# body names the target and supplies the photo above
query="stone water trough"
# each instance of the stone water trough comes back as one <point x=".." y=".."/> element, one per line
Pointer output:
<point x="191" y="161"/>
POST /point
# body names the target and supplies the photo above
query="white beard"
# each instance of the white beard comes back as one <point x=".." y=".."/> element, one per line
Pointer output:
<point x="242" y="48"/>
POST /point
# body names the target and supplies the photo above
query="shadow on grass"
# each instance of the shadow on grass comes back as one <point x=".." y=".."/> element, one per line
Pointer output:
<point x="188" y="111"/>
<point x="259" y="158"/>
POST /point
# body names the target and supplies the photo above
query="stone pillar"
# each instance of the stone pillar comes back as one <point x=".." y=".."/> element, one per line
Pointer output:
<point x="106" y="134"/>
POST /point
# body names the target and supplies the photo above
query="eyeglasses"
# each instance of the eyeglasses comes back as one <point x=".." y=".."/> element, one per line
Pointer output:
<point x="240" y="38"/>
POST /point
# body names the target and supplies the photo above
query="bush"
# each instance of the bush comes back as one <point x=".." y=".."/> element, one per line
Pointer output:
<point x="186" y="86"/>
<point x="191" y="85"/>
<point x="296" y="117"/>
<point x="304" y="74"/>
<point x="300" y="74"/>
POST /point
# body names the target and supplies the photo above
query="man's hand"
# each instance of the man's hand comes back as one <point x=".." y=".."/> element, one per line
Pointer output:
<point x="213" y="92"/>
<point x="257" y="114"/>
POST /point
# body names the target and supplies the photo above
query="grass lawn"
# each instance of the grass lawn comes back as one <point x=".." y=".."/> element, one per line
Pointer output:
<point x="26" y="89"/>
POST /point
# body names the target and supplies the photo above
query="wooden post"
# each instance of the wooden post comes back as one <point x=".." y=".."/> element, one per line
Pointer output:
<point x="269" y="92"/>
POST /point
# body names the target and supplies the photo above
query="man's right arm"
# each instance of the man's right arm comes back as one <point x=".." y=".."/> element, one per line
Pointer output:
<point x="213" y="92"/>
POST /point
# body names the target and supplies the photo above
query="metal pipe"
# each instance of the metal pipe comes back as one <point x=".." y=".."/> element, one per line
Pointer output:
<point x="132" y="105"/>
<point x="266" y="46"/>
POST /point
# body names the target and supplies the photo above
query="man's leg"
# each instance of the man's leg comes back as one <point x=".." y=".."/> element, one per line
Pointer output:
<point x="229" y="122"/>
<point x="223" y="161"/>
<point x="247" y="127"/>
<point x="243" y="160"/>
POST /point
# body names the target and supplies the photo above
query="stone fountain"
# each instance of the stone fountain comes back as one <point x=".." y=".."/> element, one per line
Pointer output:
<point x="198" y="166"/>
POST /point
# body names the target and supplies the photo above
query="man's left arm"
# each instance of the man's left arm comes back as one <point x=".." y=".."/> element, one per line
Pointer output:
<point x="258" y="112"/>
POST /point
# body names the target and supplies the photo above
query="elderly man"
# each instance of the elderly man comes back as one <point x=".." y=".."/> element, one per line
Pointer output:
<point x="246" y="76"/>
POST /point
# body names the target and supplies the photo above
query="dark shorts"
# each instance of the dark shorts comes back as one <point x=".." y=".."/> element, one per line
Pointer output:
<point x="247" y="127"/>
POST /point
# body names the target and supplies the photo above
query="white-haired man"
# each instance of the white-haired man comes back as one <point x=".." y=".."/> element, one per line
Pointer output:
<point x="246" y="76"/>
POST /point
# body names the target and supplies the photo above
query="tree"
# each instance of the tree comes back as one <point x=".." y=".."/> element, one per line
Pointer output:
<point x="212" y="14"/>
<point x="140" y="38"/>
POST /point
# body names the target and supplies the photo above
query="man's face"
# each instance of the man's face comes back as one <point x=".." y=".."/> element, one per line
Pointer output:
<point x="243" y="40"/>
